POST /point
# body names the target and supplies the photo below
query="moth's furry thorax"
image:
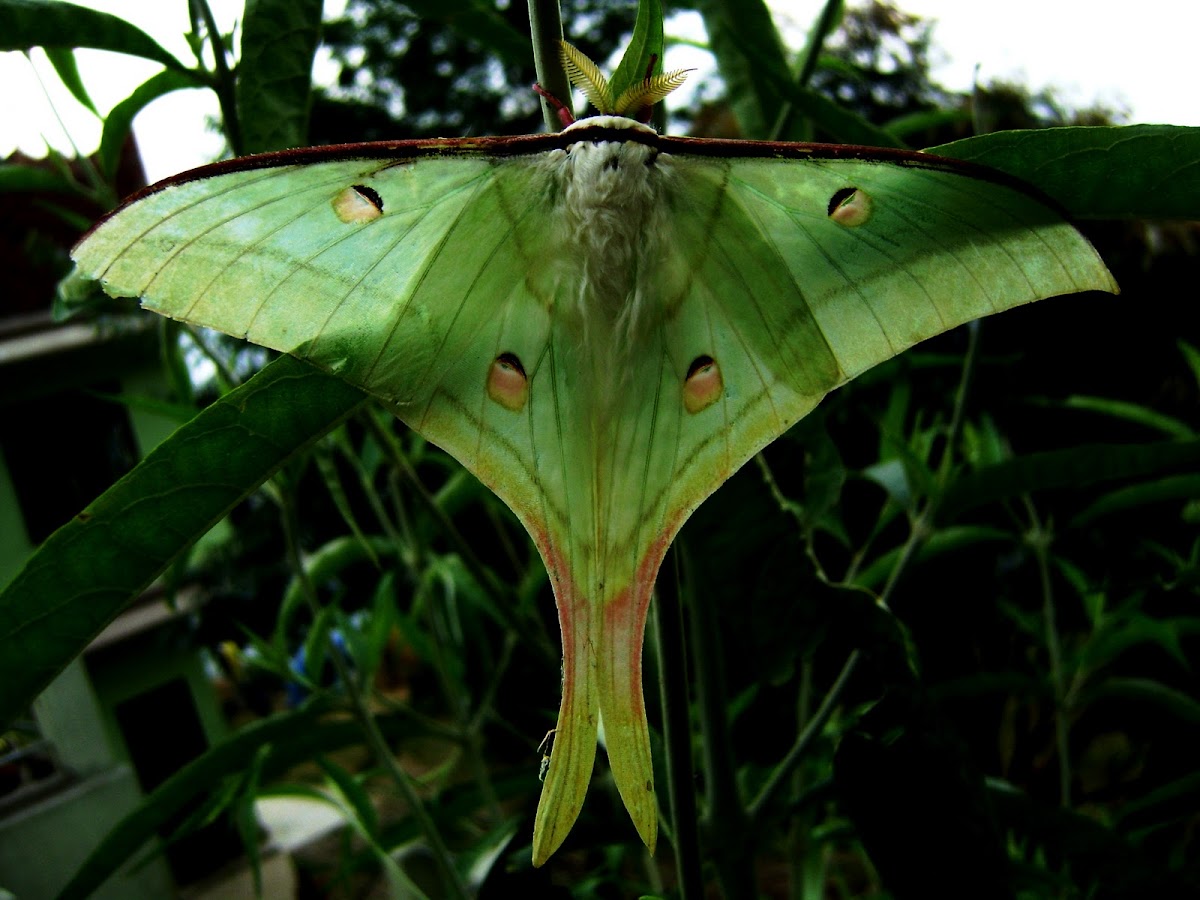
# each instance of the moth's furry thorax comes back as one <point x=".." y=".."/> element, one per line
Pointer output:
<point x="615" y="232"/>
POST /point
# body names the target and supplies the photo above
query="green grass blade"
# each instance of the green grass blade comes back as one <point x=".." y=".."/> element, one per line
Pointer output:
<point x="1175" y="489"/>
<point x="63" y="60"/>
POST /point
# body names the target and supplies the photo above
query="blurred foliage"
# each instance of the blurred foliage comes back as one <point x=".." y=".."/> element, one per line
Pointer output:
<point x="407" y="72"/>
<point x="878" y="62"/>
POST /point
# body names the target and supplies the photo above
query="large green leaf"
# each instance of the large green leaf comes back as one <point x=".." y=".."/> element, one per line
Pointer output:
<point x="279" y="40"/>
<point x="751" y="58"/>
<point x="89" y="570"/>
<point x="48" y="23"/>
<point x="1148" y="171"/>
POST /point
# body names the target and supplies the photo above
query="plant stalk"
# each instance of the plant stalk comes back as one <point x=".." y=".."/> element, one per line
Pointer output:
<point x="545" y="28"/>
<point x="671" y="650"/>
<point x="726" y="824"/>
<point x="1040" y="543"/>
<point x="224" y="86"/>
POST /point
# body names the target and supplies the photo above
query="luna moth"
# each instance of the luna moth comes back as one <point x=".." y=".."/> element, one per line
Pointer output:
<point x="603" y="324"/>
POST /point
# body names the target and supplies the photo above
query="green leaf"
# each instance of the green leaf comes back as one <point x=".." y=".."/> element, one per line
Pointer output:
<point x="892" y="476"/>
<point x="824" y="472"/>
<point x="279" y="41"/>
<point x="347" y="794"/>
<point x="246" y="817"/>
<point x="925" y="120"/>
<point x="1176" y="488"/>
<point x="63" y="60"/>
<point x="1099" y="172"/>
<point x="318" y="642"/>
<point x="324" y="564"/>
<point x="352" y="792"/>
<point x="368" y="645"/>
<point x="1169" y="699"/>
<point x="760" y="82"/>
<point x="1133" y="631"/>
<point x="92" y="567"/>
<point x="1132" y="412"/>
<point x="945" y="540"/>
<point x="751" y="58"/>
<point x="477" y="862"/>
<point x="1192" y="355"/>
<point x="273" y="658"/>
<point x="1173" y="794"/>
<point x="49" y="23"/>
<point x="645" y="48"/>
<point x="19" y="178"/>
<point x="120" y="119"/>
<point x="323" y="457"/>
<point x="1075" y="467"/>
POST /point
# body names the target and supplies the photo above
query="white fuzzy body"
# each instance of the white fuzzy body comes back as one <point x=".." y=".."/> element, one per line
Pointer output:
<point x="614" y="230"/>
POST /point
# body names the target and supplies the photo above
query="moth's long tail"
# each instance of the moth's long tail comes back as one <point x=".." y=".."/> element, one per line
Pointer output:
<point x="622" y="706"/>
<point x="602" y="682"/>
<point x="574" y="748"/>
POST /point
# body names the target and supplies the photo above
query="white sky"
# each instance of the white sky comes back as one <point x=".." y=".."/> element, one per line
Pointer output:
<point x="1134" y="56"/>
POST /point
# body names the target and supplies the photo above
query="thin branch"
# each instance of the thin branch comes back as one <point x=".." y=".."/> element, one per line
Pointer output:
<point x="224" y="87"/>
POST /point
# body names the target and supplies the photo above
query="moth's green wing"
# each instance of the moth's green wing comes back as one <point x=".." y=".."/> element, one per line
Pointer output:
<point x="793" y="301"/>
<point x="415" y="305"/>
<point x="262" y="254"/>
